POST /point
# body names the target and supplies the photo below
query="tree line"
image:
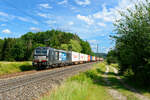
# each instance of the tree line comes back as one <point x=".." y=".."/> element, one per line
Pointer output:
<point x="132" y="49"/>
<point x="21" y="49"/>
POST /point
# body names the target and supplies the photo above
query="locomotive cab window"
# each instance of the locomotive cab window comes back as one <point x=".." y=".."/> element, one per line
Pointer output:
<point x="38" y="51"/>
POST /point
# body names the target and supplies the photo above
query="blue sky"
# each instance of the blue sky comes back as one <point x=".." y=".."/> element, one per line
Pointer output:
<point x="92" y="20"/>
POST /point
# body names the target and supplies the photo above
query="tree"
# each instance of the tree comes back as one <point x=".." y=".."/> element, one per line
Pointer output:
<point x="22" y="48"/>
<point x="64" y="47"/>
<point x="18" y="51"/>
<point x="7" y="49"/>
<point x="111" y="57"/>
<point x="133" y="41"/>
<point x="1" y="47"/>
<point x="86" y="48"/>
<point x="75" y="46"/>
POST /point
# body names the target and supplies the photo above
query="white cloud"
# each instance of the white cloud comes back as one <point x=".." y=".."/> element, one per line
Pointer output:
<point x="34" y="22"/>
<point x="3" y="25"/>
<point x="112" y="14"/>
<point x="6" y="31"/>
<point x="44" y="15"/>
<point x="46" y="5"/>
<point x="34" y="29"/>
<point x="101" y="24"/>
<point x="63" y="2"/>
<point x="23" y="19"/>
<point x="84" y="3"/>
<point x="105" y="15"/>
<point x="27" y="19"/>
<point x="50" y="22"/>
<point x="87" y="19"/>
<point x="8" y="17"/>
<point x="70" y="23"/>
<point x="4" y="14"/>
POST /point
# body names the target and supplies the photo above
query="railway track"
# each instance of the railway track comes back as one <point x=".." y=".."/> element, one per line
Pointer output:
<point x="14" y="83"/>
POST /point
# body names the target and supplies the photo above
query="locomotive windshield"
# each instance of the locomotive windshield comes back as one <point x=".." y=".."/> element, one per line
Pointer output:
<point x="41" y="51"/>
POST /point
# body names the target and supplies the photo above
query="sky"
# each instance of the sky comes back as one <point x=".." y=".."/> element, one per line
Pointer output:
<point x="92" y="20"/>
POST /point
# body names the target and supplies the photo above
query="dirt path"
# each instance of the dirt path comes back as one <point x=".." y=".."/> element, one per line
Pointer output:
<point x="136" y="93"/>
<point x="114" y="93"/>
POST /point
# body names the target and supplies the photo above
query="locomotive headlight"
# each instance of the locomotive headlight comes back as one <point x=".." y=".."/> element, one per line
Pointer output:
<point x="35" y="63"/>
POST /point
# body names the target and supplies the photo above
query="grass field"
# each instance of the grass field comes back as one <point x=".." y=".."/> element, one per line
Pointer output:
<point x="13" y="67"/>
<point x="84" y="86"/>
<point x="142" y="89"/>
<point x="90" y="85"/>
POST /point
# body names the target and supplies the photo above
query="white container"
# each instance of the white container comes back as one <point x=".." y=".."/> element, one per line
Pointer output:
<point x="75" y="56"/>
<point x="81" y="57"/>
<point x="94" y="58"/>
<point x="86" y="57"/>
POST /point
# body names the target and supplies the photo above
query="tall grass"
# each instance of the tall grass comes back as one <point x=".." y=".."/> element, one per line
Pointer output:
<point x="90" y="85"/>
<point x="12" y="67"/>
<point x="85" y="86"/>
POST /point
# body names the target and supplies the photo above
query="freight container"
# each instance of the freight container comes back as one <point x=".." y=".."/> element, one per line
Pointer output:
<point x="85" y="58"/>
<point x="75" y="56"/>
<point x="81" y="57"/>
<point x="101" y="59"/>
<point x="91" y="58"/>
<point x="88" y="58"/>
<point x="97" y="58"/>
<point x="94" y="58"/>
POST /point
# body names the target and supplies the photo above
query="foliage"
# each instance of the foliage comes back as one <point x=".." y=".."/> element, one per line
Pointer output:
<point x="111" y="57"/>
<point x="133" y="42"/>
<point x="1" y="47"/>
<point x="64" y="47"/>
<point x="75" y="46"/>
<point x="21" y="49"/>
<point x="103" y="55"/>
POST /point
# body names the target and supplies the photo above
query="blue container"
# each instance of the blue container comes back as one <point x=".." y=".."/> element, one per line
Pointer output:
<point x="90" y="58"/>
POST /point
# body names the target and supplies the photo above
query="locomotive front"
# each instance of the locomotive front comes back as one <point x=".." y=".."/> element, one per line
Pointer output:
<point x="40" y="57"/>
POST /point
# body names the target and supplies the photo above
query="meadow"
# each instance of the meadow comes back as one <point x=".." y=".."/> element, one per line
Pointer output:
<point x="91" y="85"/>
<point x="13" y="67"/>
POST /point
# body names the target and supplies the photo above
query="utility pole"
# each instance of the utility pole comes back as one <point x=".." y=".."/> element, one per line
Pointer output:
<point x="97" y="49"/>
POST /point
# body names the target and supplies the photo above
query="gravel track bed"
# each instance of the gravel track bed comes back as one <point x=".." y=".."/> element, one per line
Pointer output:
<point x="32" y="86"/>
<point x="17" y="74"/>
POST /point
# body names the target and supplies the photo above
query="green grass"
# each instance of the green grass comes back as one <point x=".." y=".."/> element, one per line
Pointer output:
<point x="90" y="85"/>
<point x="128" y="79"/>
<point x="117" y="85"/>
<point x="13" y="67"/>
<point x="142" y="89"/>
<point x="85" y="86"/>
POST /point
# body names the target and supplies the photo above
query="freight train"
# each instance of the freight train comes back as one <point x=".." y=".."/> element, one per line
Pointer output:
<point x="46" y="57"/>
